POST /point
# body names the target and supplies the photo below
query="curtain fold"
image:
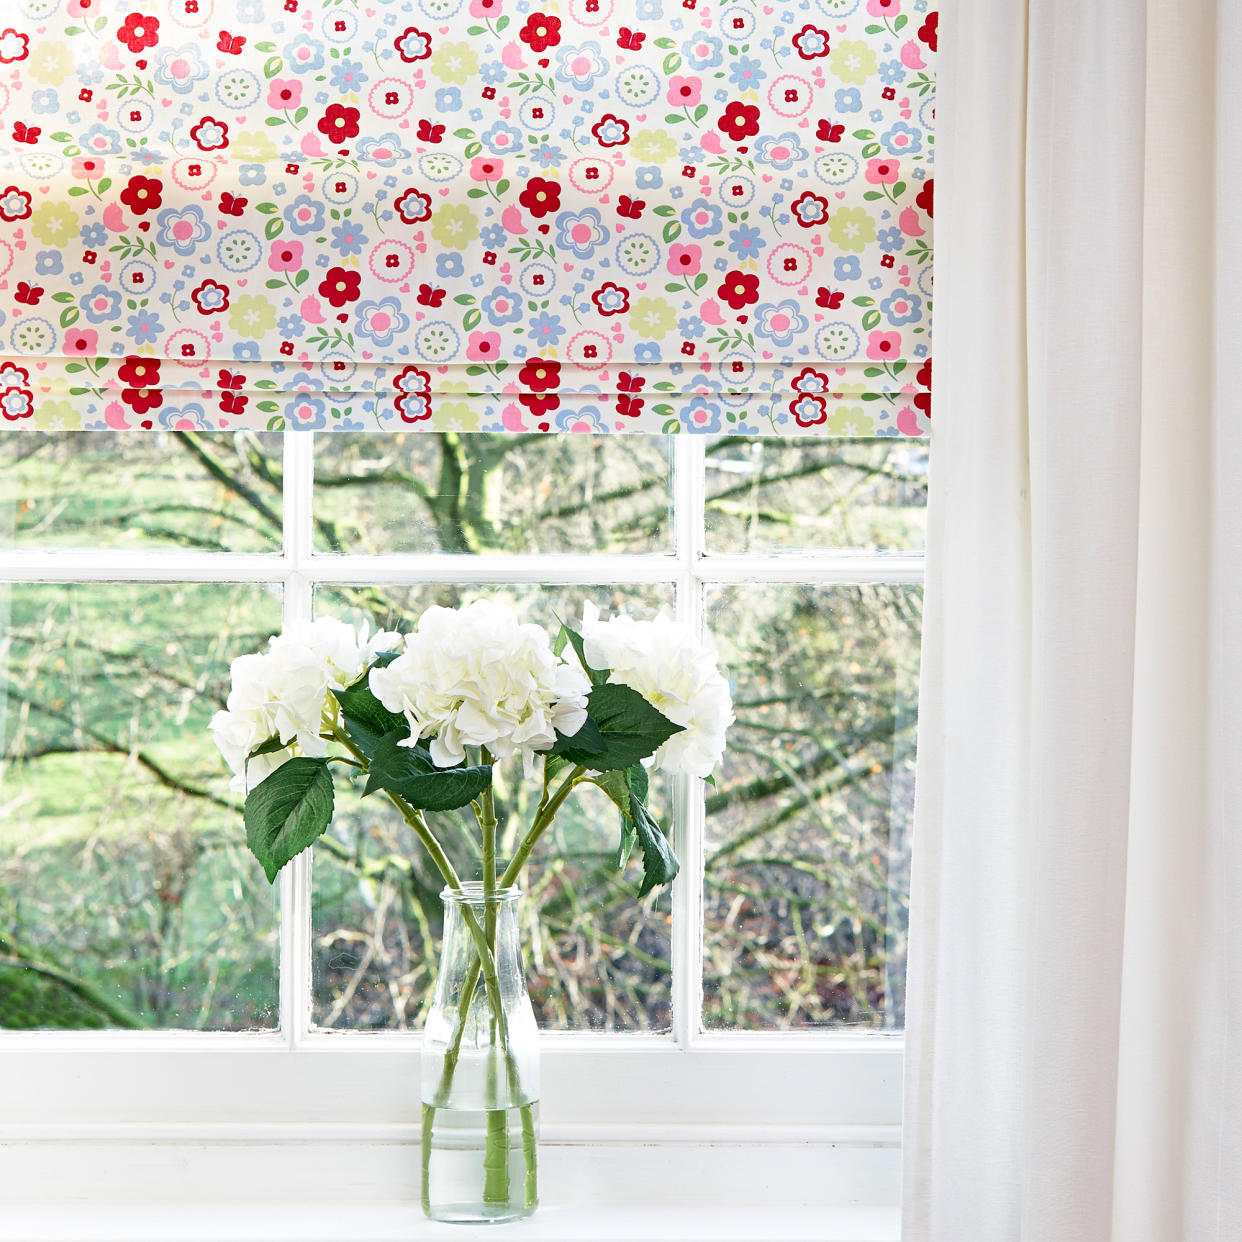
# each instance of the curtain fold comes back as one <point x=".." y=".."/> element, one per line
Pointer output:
<point x="1072" y="1058"/>
<point x="497" y="215"/>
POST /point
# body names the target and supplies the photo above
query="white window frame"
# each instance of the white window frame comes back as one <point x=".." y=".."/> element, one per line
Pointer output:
<point x="790" y="1117"/>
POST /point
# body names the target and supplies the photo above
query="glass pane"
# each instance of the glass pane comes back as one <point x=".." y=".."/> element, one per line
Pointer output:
<point x="127" y="896"/>
<point x="425" y="492"/>
<point x="808" y="834"/>
<point x="214" y="491"/>
<point x="376" y="919"/>
<point x="772" y="495"/>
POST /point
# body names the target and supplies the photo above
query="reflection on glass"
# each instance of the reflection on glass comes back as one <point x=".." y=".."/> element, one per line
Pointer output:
<point x="597" y="957"/>
<point x="808" y="834"/>
<point x="127" y="896"/>
<point x="444" y="492"/>
<point x="768" y="495"/>
<point x="214" y="491"/>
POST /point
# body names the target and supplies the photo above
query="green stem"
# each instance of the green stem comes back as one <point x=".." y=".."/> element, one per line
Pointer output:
<point x="543" y="819"/>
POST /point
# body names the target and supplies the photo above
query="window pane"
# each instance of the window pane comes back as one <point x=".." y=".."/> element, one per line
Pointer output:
<point x="425" y="492"/>
<point x="772" y="495"/>
<point x="127" y="896"/>
<point x="376" y="921"/>
<point x="808" y="834"/>
<point x="218" y="491"/>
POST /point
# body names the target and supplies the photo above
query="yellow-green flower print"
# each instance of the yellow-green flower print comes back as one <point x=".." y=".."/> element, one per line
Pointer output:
<point x="853" y="61"/>
<point x="54" y="223"/>
<point x="653" y="146"/>
<point x="652" y="318"/>
<point x="454" y="226"/>
<point x="851" y="228"/>
<point x="455" y="62"/>
<point x="252" y="315"/>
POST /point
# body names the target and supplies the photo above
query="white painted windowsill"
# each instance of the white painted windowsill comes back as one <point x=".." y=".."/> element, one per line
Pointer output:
<point x="404" y="1222"/>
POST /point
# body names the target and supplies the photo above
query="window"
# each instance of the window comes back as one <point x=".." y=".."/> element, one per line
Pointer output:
<point x="138" y="567"/>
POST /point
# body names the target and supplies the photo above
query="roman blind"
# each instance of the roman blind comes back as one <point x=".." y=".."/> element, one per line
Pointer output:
<point x="574" y="215"/>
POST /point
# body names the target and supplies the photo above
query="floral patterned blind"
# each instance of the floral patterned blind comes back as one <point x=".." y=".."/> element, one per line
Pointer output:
<point x="596" y="215"/>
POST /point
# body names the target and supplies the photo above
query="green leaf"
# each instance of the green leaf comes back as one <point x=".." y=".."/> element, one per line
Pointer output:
<point x="472" y="318"/>
<point x="271" y="66"/>
<point x="270" y="747"/>
<point x="899" y="21"/>
<point x="863" y="301"/>
<point x="870" y="319"/>
<point x="272" y="283"/>
<point x="69" y="316"/>
<point x="367" y="720"/>
<point x="105" y="184"/>
<point x="568" y="637"/>
<point x="587" y="741"/>
<point x="301" y="114"/>
<point x="672" y="62"/>
<point x="273" y="228"/>
<point x="408" y="772"/>
<point x="700" y="112"/>
<point x="660" y="865"/>
<point x="672" y="230"/>
<point x="674" y="118"/>
<point x="631" y="728"/>
<point x="664" y="209"/>
<point x="288" y="811"/>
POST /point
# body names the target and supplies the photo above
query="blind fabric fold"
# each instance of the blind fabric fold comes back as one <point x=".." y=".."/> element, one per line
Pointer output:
<point x="489" y="215"/>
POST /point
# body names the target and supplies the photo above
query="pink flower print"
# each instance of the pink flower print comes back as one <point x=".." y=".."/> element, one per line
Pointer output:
<point x="284" y="93"/>
<point x="483" y="346"/>
<point x="485" y="8"/>
<point x="684" y="260"/>
<point x="883" y="171"/>
<point x="883" y="8"/>
<point x="684" y="92"/>
<point x="285" y="256"/>
<point x="486" y="168"/>
<point x="884" y="346"/>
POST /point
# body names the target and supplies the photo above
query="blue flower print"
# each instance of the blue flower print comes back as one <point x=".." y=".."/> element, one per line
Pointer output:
<point x="580" y="232"/>
<point x="847" y="267"/>
<point x="385" y="150"/>
<point x="546" y="329"/>
<point x="902" y="306"/>
<point x="180" y="68"/>
<point x="699" y="414"/>
<point x="502" y="138"/>
<point x="547" y="155"/>
<point x="580" y="66"/>
<point x="252" y="174"/>
<point x="890" y="240"/>
<point x="291" y="326"/>
<point x="781" y="151"/>
<point x="145" y="328"/>
<point x="102" y="304"/>
<point x="690" y="328"/>
<point x="848" y="99"/>
<point x="649" y="10"/>
<point x="94" y="235"/>
<point x="44" y="101"/>
<point x="493" y="73"/>
<point x="349" y="237"/>
<point x="306" y="413"/>
<point x="703" y="52"/>
<point x="902" y="139"/>
<point x="304" y="215"/>
<point x="182" y="228"/>
<point x="449" y="265"/>
<point x="99" y="140"/>
<point x="448" y="99"/>
<point x="892" y="72"/>
<point x="746" y="73"/>
<point x="382" y="321"/>
<point x="48" y="263"/>
<point x="347" y="75"/>
<point x="779" y="322"/>
<point x="502" y="306"/>
<point x="649" y="177"/>
<point x="246" y="351"/>
<point x="746" y="241"/>
<point x="647" y="351"/>
<point x="701" y="218"/>
<point x="304" y="55"/>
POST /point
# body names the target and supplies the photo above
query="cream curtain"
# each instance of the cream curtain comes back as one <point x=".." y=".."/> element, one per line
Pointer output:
<point x="1075" y="1047"/>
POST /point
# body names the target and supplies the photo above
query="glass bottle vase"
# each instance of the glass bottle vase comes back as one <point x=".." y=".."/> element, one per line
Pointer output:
<point x="480" y="1067"/>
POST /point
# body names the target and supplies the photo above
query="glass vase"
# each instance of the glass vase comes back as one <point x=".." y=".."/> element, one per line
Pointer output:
<point x="480" y="1067"/>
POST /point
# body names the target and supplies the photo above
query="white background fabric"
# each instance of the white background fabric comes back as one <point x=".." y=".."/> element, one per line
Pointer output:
<point x="1074" y="1051"/>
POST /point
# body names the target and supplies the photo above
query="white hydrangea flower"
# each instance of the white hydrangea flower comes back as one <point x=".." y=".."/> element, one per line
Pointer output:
<point x="476" y="676"/>
<point x="282" y="692"/>
<point x="676" y="672"/>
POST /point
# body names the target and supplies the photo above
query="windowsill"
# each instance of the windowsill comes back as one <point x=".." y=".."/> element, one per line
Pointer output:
<point x="400" y="1222"/>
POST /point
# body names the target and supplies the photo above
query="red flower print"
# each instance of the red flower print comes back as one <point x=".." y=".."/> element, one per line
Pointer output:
<point x="211" y="298"/>
<point x="810" y="210"/>
<point x="16" y="402"/>
<point x="630" y="208"/>
<point x="340" y="287"/>
<point x="924" y="374"/>
<point x="926" y="196"/>
<point x="739" y="121"/>
<point x="540" y="375"/>
<point x="541" y="32"/>
<point x="210" y="134"/>
<point x="828" y="132"/>
<point x="809" y="409"/>
<point x="14" y="46"/>
<point x="810" y="380"/>
<point x="541" y="197"/>
<point x="829" y="299"/>
<point x="739" y="289"/>
<point x="927" y="31"/>
<point x="231" y="205"/>
<point x="338" y="123"/>
<point x="142" y="194"/>
<point x="414" y="207"/>
<point x="413" y="44"/>
<point x="14" y="204"/>
<point x="413" y="400"/>
<point x="427" y="132"/>
<point x="811" y="42"/>
<point x="540" y="404"/>
<point x="611" y="299"/>
<point x="611" y="131"/>
<point x="138" y="31"/>
<point x="141" y="377"/>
